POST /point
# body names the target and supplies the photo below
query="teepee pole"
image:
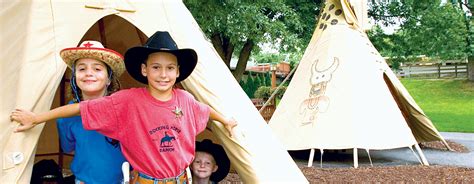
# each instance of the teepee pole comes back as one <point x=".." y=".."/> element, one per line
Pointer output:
<point x="422" y="156"/>
<point x="370" y="159"/>
<point x="356" y="158"/>
<point x="277" y="89"/>
<point x="311" y="158"/>
<point x="103" y="38"/>
<point x="414" y="153"/>
<point x="321" y="159"/>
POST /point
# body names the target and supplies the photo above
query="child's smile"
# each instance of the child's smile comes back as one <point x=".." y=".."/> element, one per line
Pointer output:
<point x="91" y="77"/>
<point x="161" y="70"/>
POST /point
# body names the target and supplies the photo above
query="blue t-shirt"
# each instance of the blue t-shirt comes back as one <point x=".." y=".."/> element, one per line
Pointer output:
<point x="95" y="159"/>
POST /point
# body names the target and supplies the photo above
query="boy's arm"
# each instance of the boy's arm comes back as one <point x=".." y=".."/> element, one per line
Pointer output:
<point x="29" y="119"/>
<point x="229" y="124"/>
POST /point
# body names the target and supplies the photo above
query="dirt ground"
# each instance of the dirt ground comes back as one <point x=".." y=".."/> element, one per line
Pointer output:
<point x="390" y="174"/>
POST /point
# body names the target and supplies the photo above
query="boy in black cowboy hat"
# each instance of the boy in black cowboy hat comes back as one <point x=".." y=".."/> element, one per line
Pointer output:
<point x="211" y="163"/>
<point x="156" y="125"/>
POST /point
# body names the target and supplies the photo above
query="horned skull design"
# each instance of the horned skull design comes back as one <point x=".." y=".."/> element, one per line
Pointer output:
<point x="317" y="101"/>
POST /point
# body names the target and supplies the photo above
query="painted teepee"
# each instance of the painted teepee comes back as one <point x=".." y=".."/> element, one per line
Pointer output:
<point x="343" y="94"/>
<point x="34" y="31"/>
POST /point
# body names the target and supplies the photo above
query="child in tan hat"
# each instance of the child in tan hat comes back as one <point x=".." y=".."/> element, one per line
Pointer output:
<point x="94" y="74"/>
<point x="156" y="125"/>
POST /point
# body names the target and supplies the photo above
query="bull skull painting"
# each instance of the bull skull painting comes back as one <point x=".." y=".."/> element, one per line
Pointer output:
<point x="317" y="101"/>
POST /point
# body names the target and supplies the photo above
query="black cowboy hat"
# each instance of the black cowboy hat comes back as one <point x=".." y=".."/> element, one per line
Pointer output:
<point x="222" y="161"/>
<point x="159" y="42"/>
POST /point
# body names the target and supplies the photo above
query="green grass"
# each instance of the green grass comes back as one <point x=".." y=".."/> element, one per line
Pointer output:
<point x="448" y="103"/>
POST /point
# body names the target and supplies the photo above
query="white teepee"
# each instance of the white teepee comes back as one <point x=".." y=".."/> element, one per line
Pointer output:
<point x="34" y="31"/>
<point x="344" y="96"/>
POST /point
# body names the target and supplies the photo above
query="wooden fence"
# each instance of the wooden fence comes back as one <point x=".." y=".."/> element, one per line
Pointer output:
<point x="268" y="111"/>
<point x="437" y="70"/>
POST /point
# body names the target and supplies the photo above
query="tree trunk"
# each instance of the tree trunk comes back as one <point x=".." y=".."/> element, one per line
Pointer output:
<point x="470" y="68"/>
<point x="243" y="59"/>
<point x="223" y="47"/>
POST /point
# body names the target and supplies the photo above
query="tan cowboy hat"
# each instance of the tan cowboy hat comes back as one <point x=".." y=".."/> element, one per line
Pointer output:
<point x="94" y="50"/>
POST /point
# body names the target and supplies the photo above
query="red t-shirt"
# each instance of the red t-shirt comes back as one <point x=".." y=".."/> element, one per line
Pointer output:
<point x="155" y="137"/>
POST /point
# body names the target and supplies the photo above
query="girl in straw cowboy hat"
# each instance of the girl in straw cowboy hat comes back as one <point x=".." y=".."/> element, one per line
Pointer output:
<point x="156" y="125"/>
<point x="95" y="72"/>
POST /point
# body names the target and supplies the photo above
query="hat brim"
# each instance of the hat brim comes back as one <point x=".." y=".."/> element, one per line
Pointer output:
<point x="136" y="56"/>
<point x="218" y="152"/>
<point x="113" y="59"/>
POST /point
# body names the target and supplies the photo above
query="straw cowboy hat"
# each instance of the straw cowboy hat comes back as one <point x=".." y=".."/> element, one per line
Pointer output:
<point x="159" y="42"/>
<point x="222" y="161"/>
<point x="94" y="50"/>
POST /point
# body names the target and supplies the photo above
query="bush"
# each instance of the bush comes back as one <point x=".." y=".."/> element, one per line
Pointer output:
<point x="265" y="92"/>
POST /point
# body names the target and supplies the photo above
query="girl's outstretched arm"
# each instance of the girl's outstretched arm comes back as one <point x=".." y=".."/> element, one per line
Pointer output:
<point x="229" y="123"/>
<point x="29" y="119"/>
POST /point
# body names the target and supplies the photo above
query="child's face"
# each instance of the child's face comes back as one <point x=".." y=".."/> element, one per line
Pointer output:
<point x="91" y="77"/>
<point x="203" y="165"/>
<point x="161" y="71"/>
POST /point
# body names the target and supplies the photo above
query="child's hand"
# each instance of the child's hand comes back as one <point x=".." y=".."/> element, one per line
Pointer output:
<point x="229" y="125"/>
<point x="25" y="118"/>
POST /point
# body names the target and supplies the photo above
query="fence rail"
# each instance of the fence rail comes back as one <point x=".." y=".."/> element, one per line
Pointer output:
<point x="452" y="70"/>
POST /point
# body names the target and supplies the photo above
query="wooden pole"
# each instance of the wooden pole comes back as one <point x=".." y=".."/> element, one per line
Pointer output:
<point x="439" y="70"/>
<point x="276" y="91"/>
<point x="62" y="101"/>
<point x="273" y="70"/>
<point x="103" y="38"/>
<point x="470" y="68"/>
<point x="311" y="158"/>
<point x="455" y="70"/>
<point x="356" y="158"/>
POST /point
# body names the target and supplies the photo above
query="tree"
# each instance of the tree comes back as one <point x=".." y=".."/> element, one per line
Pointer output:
<point x="241" y="25"/>
<point x="381" y="40"/>
<point x="268" y="79"/>
<point x="268" y="57"/>
<point x="249" y="86"/>
<point x="469" y="5"/>
<point x="427" y="27"/>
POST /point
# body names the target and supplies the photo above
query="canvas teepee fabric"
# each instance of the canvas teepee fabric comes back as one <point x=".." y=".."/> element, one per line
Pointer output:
<point x="343" y="94"/>
<point x="33" y="33"/>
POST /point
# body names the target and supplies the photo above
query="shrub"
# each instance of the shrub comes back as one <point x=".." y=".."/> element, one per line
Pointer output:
<point x="265" y="92"/>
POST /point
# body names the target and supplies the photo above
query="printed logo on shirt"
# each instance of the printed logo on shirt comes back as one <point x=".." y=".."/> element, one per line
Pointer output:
<point x="166" y="141"/>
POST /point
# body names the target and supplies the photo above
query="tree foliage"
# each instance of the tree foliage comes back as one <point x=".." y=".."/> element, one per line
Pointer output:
<point x="237" y="27"/>
<point x="266" y="92"/>
<point x="268" y="57"/>
<point x="427" y="27"/>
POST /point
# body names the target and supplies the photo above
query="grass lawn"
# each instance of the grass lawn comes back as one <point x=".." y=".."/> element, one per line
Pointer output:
<point x="448" y="103"/>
